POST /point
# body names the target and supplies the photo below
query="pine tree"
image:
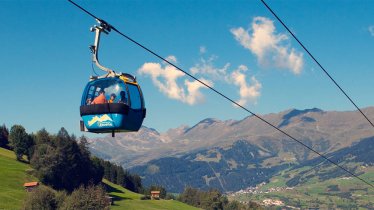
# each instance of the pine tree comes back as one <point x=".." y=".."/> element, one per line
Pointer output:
<point x="113" y="173"/>
<point x="42" y="137"/>
<point x="4" y="133"/>
<point x="120" y="176"/>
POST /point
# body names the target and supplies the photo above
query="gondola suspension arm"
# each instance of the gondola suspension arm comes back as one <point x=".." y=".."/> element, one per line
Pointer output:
<point x="105" y="28"/>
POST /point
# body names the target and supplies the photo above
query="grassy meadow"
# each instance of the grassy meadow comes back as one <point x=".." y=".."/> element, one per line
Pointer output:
<point x="12" y="177"/>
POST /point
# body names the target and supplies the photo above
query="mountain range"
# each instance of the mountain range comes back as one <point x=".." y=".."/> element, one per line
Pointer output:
<point x="233" y="154"/>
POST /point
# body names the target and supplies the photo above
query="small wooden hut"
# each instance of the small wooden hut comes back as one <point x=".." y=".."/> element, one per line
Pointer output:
<point x="155" y="195"/>
<point x="30" y="186"/>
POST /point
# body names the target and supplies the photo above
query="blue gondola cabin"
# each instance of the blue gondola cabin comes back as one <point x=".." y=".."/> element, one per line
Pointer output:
<point x="112" y="104"/>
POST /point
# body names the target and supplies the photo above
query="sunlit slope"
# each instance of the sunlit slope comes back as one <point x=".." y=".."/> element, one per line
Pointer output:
<point x="125" y="199"/>
<point x="12" y="177"/>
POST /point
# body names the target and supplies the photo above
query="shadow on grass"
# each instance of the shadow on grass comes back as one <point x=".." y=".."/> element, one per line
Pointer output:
<point x="111" y="189"/>
<point x="24" y="161"/>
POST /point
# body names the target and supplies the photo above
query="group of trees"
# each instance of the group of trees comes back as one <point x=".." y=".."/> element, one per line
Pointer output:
<point x="90" y="197"/>
<point x="17" y="140"/>
<point x="63" y="163"/>
<point x="212" y="200"/>
<point x="21" y="142"/>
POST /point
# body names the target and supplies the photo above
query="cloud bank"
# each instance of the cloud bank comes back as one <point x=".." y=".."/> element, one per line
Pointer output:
<point x="165" y="78"/>
<point x="268" y="46"/>
<point x="168" y="80"/>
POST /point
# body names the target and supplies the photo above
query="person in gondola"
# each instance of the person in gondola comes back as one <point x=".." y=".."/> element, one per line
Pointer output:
<point x="112" y="98"/>
<point x="100" y="99"/>
<point x="123" y="97"/>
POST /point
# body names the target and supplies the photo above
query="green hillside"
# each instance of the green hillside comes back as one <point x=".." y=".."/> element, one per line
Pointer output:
<point x="125" y="199"/>
<point x="12" y="177"/>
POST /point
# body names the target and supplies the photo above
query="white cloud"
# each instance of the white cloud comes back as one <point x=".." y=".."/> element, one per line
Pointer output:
<point x="371" y="30"/>
<point x="169" y="81"/>
<point x="268" y="46"/>
<point x="171" y="59"/>
<point x="165" y="79"/>
<point x="206" y="67"/>
<point x="193" y="88"/>
<point x="202" y="49"/>
<point x="249" y="92"/>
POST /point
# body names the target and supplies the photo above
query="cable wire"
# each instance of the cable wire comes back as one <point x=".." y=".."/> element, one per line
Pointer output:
<point x="315" y="60"/>
<point x="226" y="97"/>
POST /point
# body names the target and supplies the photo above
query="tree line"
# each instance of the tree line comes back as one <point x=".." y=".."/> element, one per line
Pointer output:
<point x="213" y="199"/>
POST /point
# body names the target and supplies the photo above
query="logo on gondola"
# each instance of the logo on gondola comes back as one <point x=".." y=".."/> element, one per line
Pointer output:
<point x="103" y="121"/>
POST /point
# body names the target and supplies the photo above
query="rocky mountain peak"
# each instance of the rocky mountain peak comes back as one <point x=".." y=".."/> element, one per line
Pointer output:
<point x="151" y="130"/>
<point x="203" y="123"/>
<point x="208" y="121"/>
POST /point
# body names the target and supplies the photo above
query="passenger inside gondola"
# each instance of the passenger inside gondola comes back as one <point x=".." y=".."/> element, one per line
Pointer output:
<point x="123" y="97"/>
<point x="100" y="99"/>
<point x="112" y="98"/>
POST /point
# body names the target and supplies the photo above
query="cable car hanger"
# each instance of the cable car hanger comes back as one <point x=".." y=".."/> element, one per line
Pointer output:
<point x="98" y="29"/>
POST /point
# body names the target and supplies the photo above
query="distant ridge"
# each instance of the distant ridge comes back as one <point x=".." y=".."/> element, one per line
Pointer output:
<point x="325" y="130"/>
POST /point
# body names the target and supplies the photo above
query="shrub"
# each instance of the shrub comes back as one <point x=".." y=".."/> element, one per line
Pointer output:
<point x="170" y="196"/>
<point x="92" y="197"/>
<point x="145" y="197"/>
<point x="41" y="198"/>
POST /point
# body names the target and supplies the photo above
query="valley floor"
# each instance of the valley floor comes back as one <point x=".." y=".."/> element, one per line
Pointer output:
<point x="337" y="193"/>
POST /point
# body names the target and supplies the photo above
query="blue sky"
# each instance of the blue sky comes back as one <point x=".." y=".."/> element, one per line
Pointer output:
<point x="233" y="45"/>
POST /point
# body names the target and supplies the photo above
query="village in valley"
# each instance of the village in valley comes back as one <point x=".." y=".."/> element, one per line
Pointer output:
<point x="258" y="189"/>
